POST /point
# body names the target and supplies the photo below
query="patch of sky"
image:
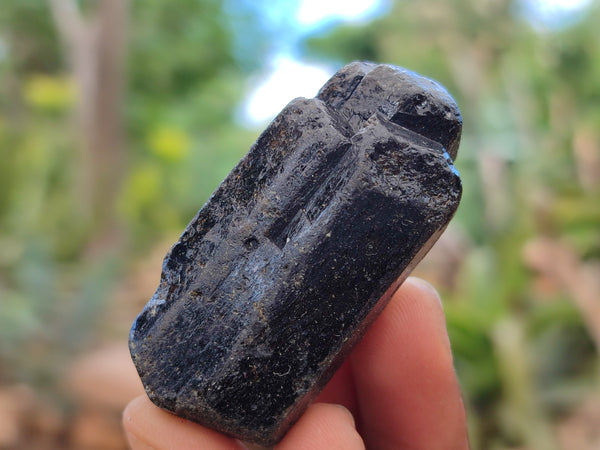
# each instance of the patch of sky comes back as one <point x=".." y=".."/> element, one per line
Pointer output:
<point x="283" y="75"/>
<point x="550" y="15"/>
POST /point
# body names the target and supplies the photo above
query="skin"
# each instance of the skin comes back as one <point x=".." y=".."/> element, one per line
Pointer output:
<point x="397" y="390"/>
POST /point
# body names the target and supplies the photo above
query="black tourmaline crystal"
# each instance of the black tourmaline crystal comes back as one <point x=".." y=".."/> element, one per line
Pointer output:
<point x="298" y="250"/>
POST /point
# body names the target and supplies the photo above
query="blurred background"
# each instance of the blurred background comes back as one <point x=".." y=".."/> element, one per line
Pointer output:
<point x="118" y="118"/>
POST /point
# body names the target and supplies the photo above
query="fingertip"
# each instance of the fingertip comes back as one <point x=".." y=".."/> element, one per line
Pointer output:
<point x="424" y="287"/>
<point x="135" y="443"/>
<point x="414" y="315"/>
<point x="129" y="422"/>
<point x="416" y="310"/>
<point x="148" y="426"/>
<point x="406" y="385"/>
<point x="347" y="412"/>
<point x="323" y="426"/>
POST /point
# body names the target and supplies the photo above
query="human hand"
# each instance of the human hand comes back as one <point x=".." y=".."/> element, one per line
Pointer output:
<point x="397" y="389"/>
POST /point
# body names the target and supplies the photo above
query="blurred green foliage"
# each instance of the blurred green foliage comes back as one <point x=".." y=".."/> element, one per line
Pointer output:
<point x="57" y="268"/>
<point x="525" y="347"/>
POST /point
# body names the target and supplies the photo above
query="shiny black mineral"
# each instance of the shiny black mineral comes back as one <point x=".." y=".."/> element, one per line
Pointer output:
<point x="298" y="250"/>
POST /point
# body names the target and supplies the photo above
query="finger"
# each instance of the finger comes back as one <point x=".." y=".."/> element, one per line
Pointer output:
<point x="340" y="389"/>
<point x="323" y="427"/>
<point x="406" y="387"/>
<point x="147" y="426"/>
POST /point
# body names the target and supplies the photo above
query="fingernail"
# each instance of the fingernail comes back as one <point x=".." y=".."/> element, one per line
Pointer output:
<point x="347" y="411"/>
<point x="425" y="285"/>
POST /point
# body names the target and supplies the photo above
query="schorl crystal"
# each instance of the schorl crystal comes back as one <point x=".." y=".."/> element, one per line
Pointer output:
<point x="298" y="250"/>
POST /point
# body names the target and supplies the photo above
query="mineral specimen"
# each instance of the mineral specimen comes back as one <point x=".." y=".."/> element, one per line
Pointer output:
<point x="298" y="250"/>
